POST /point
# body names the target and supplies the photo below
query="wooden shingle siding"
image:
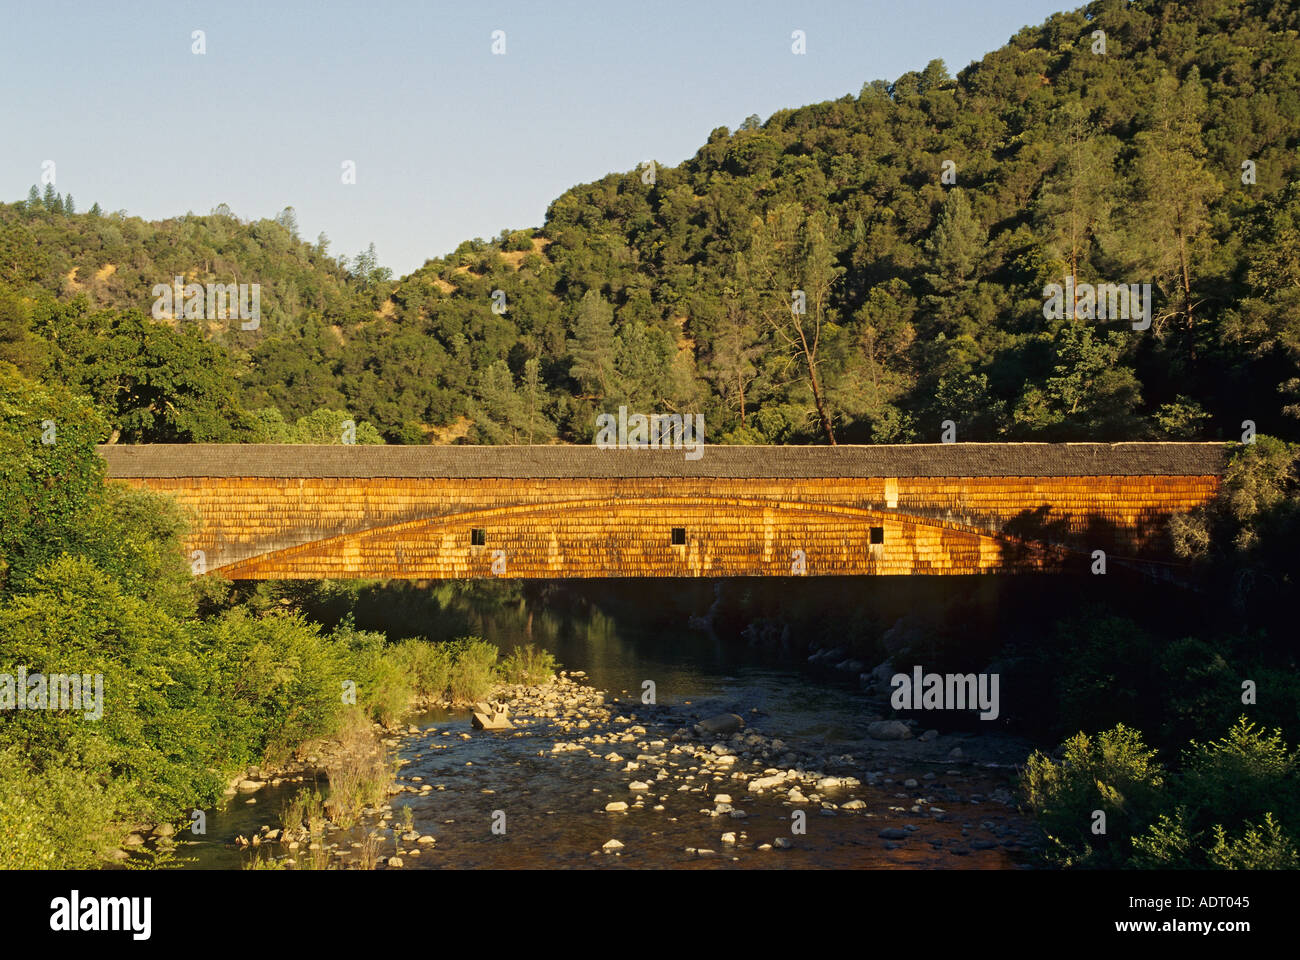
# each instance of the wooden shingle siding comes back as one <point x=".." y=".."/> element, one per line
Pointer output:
<point x="310" y="512"/>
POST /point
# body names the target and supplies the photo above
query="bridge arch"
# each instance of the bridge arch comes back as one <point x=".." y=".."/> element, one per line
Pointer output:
<point x="633" y="537"/>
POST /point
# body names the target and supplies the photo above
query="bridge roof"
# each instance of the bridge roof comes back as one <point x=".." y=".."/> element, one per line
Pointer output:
<point x="581" y="461"/>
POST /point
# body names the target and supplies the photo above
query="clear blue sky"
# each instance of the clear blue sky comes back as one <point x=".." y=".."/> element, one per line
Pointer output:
<point x="450" y="141"/>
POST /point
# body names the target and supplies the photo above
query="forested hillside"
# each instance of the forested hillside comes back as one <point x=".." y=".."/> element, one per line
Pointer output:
<point x="921" y="220"/>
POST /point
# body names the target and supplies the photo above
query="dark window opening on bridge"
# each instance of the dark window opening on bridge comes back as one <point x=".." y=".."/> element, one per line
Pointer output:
<point x="877" y="535"/>
<point x="477" y="536"/>
<point x="679" y="536"/>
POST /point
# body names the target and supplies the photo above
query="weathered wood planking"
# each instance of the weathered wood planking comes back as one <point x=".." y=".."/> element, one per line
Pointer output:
<point x="291" y="520"/>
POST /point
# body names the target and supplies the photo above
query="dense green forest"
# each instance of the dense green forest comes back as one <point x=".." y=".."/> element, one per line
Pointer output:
<point x="921" y="219"/>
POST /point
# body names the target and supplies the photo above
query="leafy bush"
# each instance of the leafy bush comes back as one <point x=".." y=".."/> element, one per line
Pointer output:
<point x="1235" y="803"/>
<point x="1114" y="773"/>
<point x="278" y="680"/>
<point x="56" y="819"/>
<point x="382" y="685"/>
<point x="1265" y="847"/>
<point x="472" y="669"/>
<point x="429" y="666"/>
<point x="527" y="664"/>
<point x="1242" y="776"/>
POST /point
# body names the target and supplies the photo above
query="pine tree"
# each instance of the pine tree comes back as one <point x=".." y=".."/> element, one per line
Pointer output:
<point x="1076" y="200"/>
<point x="1174" y="189"/>
<point x="535" y="395"/>
<point x="792" y="267"/>
<point x="593" y="346"/>
<point x="288" y="218"/>
<point x="68" y="206"/>
<point x="956" y="245"/>
<point x="51" y="199"/>
<point x="33" y="198"/>
<point x="734" y="350"/>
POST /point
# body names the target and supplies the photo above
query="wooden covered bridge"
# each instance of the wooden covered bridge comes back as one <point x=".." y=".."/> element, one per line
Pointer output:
<point x="455" y="512"/>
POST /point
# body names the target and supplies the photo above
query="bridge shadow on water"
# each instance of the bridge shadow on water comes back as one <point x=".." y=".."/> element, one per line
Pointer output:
<point x="694" y="637"/>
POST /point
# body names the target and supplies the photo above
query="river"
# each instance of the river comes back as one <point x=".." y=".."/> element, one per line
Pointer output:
<point x="510" y="800"/>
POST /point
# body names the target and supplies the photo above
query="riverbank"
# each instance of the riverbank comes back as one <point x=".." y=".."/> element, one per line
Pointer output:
<point x="588" y="779"/>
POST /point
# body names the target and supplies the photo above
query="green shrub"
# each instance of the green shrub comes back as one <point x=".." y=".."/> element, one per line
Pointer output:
<point x="429" y="666"/>
<point x="278" y="680"/>
<point x="1113" y="773"/>
<point x="527" y="664"/>
<point x="1235" y="803"/>
<point x="1241" y="777"/>
<point x="1166" y="844"/>
<point x="1237" y="806"/>
<point x="157" y="730"/>
<point x="472" y="669"/>
<point x="383" y="687"/>
<point x="57" y="819"/>
<point x="1265" y="847"/>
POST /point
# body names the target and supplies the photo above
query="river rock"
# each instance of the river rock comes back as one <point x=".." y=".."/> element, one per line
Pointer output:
<point x="889" y="730"/>
<point x="723" y="723"/>
<point x="893" y="833"/>
<point x="617" y="806"/>
<point x="251" y="786"/>
<point x="612" y="846"/>
<point x="759" y="784"/>
<point x="492" y="721"/>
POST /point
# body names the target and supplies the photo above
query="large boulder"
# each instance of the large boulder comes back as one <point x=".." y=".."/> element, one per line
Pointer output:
<point x="723" y="723"/>
<point x="496" y="720"/>
<point x="889" y="730"/>
<point x="759" y="784"/>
